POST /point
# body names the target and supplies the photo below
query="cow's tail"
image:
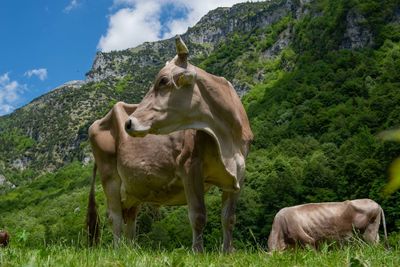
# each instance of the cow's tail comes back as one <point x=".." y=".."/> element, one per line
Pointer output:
<point x="92" y="216"/>
<point x="384" y="229"/>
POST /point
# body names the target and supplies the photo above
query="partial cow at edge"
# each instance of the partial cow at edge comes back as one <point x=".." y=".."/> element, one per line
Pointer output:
<point x="311" y="224"/>
<point x="4" y="238"/>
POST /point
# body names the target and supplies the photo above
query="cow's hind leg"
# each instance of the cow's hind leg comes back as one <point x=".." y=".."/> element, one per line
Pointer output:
<point x="371" y="233"/>
<point x="130" y="216"/>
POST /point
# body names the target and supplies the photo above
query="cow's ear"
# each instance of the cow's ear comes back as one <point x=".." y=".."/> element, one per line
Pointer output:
<point x="186" y="78"/>
<point x="182" y="51"/>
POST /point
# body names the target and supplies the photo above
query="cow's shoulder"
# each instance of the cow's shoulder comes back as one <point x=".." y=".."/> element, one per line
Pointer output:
<point x="118" y="112"/>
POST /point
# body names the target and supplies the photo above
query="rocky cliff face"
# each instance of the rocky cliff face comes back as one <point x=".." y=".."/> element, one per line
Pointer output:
<point x="213" y="29"/>
<point x="202" y="39"/>
<point x="356" y="36"/>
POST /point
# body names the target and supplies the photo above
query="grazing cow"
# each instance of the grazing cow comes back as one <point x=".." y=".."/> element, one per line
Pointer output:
<point x="310" y="224"/>
<point x="4" y="238"/>
<point x="158" y="169"/>
<point x="186" y="97"/>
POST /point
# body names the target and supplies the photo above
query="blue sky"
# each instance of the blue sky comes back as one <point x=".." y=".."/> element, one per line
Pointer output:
<point x="45" y="43"/>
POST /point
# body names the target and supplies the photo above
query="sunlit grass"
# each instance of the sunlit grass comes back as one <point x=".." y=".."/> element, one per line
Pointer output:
<point x="126" y="256"/>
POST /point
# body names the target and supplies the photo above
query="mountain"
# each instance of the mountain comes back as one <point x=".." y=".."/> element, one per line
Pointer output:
<point x="51" y="131"/>
<point x="319" y="81"/>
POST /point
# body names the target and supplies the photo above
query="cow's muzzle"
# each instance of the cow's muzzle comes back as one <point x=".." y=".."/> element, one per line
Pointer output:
<point x="134" y="128"/>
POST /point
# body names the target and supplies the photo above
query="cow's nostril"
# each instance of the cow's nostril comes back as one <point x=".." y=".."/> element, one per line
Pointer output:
<point x="128" y="124"/>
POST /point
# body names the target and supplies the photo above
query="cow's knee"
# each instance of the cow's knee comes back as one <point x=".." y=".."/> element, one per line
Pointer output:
<point x="228" y="220"/>
<point x="115" y="220"/>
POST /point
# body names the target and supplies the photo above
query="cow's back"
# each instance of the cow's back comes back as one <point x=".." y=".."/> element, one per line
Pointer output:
<point x="317" y="221"/>
<point x="364" y="205"/>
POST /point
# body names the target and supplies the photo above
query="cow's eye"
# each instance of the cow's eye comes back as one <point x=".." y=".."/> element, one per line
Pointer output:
<point x="163" y="82"/>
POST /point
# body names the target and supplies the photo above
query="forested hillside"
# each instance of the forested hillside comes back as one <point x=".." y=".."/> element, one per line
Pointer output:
<point x="320" y="81"/>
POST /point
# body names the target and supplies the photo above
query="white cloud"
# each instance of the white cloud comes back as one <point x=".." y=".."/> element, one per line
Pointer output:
<point x="40" y="73"/>
<point x="130" y="26"/>
<point x="10" y="93"/>
<point x="72" y="5"/>
<point x="139" y="20"/>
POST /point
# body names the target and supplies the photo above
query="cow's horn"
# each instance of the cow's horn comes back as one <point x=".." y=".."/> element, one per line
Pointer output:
<point x="181" y="48"/>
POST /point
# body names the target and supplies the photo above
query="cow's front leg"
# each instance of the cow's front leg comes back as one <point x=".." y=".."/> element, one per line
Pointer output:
<point x="229" y="201"/>
<point x="194" y="190"/>
<point x="130" y="216"/>
<point x="112" y="187"/>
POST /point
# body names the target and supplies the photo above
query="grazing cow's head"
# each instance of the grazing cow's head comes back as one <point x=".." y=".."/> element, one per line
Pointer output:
<point x="173" y="100"/>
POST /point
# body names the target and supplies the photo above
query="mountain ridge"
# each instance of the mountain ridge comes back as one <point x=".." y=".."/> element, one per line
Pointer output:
<point x="134" y="66"/>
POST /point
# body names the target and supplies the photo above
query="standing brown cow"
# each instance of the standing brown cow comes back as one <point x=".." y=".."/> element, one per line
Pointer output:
<point x="186" y="97"/>
<point x="4" y="238"/>
<point x="310" y="224"/>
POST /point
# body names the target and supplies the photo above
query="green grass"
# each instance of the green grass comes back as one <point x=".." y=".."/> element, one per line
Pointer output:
<point x="352" y="255"/>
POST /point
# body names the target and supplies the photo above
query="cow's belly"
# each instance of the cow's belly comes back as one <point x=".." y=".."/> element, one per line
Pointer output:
<point x="151" y="189"/>
<point x="148" y="182"/>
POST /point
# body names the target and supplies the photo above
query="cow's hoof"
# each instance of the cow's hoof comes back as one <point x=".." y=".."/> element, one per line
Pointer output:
<point x="198" y="249"/>
<point x="228" y="250"/>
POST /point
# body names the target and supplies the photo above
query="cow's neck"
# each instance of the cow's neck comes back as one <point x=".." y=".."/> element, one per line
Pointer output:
<point x="220" y="107"/>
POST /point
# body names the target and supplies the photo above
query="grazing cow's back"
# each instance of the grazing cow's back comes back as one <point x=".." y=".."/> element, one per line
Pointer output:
<point x="312" y="223"/>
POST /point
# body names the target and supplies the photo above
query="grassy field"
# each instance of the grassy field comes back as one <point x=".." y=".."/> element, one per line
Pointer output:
<point x="352" y="255"/>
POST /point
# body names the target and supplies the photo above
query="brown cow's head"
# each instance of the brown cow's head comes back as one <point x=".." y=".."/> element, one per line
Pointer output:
<point x="172" y="103"/>
<point x="186" y="97"/>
